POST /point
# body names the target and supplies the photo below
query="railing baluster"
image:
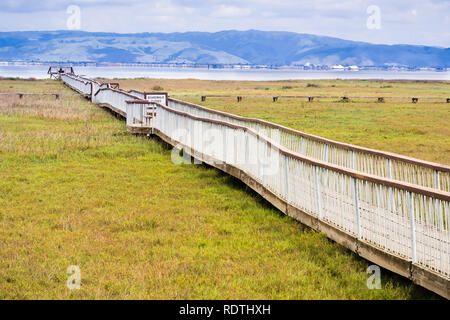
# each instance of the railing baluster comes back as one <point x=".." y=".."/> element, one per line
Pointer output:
<point x="319" y="203"/>
<point x="413" y="228"/>
<point x="286" y="176"/>
<point x="356" y="204"/>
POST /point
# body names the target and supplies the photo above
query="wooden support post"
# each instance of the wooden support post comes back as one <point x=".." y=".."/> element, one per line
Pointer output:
<point x="203" y="98"/>
<point x="310" y="99"/>
<point x="239" y="99"/>
<point x="415" y="100"/>
<point x="275" y="99"/>
<point x="380" y="99"/>
<point x="20" y="95"/>
<point x="448" y="100"/>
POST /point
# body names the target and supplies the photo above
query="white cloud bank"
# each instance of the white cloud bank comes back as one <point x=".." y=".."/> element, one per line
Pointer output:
<point x="414" y="22"/>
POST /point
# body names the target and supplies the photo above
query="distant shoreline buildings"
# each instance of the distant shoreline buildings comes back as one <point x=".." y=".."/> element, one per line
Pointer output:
<point x="305" y="67"/>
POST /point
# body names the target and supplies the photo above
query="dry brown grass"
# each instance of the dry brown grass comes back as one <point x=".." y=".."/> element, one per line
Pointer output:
<point x="48" y="133"/>
<point x="42" y="106"/>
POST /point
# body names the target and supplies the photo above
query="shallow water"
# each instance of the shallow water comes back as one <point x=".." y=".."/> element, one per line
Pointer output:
<point x="40" y="72"/>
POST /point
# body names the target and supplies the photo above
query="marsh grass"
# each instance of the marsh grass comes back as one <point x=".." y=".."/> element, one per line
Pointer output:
<point x="45" y="107"/>
<point x="38" y="126"/>
<point x="76" y="189"/>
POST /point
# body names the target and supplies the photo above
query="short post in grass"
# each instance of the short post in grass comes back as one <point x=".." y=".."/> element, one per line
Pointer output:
<point x="239" y="98"/>
<point x="275" y="99"/>
<point x="310" y="99"/>
<point x="448" y="100"/>
<point x="415" y="100"/>
<point x="203" y="98"/>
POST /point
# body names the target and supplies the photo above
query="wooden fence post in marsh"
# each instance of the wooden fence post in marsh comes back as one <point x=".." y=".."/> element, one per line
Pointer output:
<point x="310" y="99"/>
<point x="239" y="98"/>
<point x="203" y="98"/>
<point x="275" y="99"/>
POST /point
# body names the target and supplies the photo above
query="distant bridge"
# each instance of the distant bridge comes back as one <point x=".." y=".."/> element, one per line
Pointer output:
<point x="390" y="209"/>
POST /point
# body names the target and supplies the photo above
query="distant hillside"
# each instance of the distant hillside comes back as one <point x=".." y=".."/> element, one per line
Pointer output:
<point x="225" y="47"/>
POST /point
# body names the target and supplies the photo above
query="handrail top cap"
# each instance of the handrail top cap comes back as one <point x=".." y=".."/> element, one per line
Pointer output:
<point x="140" y="101"/>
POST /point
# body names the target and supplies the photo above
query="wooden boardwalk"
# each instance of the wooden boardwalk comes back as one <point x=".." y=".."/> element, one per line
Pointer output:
<point x="397" y="224"/>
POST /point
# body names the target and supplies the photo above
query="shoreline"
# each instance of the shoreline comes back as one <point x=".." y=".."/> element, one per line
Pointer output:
<point x="131" y="72"/>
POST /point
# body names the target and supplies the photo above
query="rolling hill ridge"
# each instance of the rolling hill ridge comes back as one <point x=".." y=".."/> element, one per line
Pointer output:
<point x="224" y="47"/>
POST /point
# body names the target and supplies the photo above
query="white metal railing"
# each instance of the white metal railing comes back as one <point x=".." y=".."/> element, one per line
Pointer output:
<point x="399" y="218"/>
<point x="375" y="162"/>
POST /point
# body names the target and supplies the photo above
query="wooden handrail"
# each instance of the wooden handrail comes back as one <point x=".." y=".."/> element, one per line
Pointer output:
<point x="389" y="155"/>
<point x="438" y="194"/>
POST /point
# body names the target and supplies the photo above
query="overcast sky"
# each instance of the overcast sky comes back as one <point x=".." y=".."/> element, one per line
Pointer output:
<point x="424" y="22"/>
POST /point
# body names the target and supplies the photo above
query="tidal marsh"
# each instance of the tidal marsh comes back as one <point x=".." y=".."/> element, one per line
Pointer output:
<point x="77" y="189"/>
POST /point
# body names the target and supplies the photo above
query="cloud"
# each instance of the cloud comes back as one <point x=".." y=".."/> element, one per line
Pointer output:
<point x="25" y="6"/>
<point x="344" y="18"/>
<point x="224" y="11"/>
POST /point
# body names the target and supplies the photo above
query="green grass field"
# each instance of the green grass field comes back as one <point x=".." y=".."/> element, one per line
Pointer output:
<point x="77" y="189"/>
